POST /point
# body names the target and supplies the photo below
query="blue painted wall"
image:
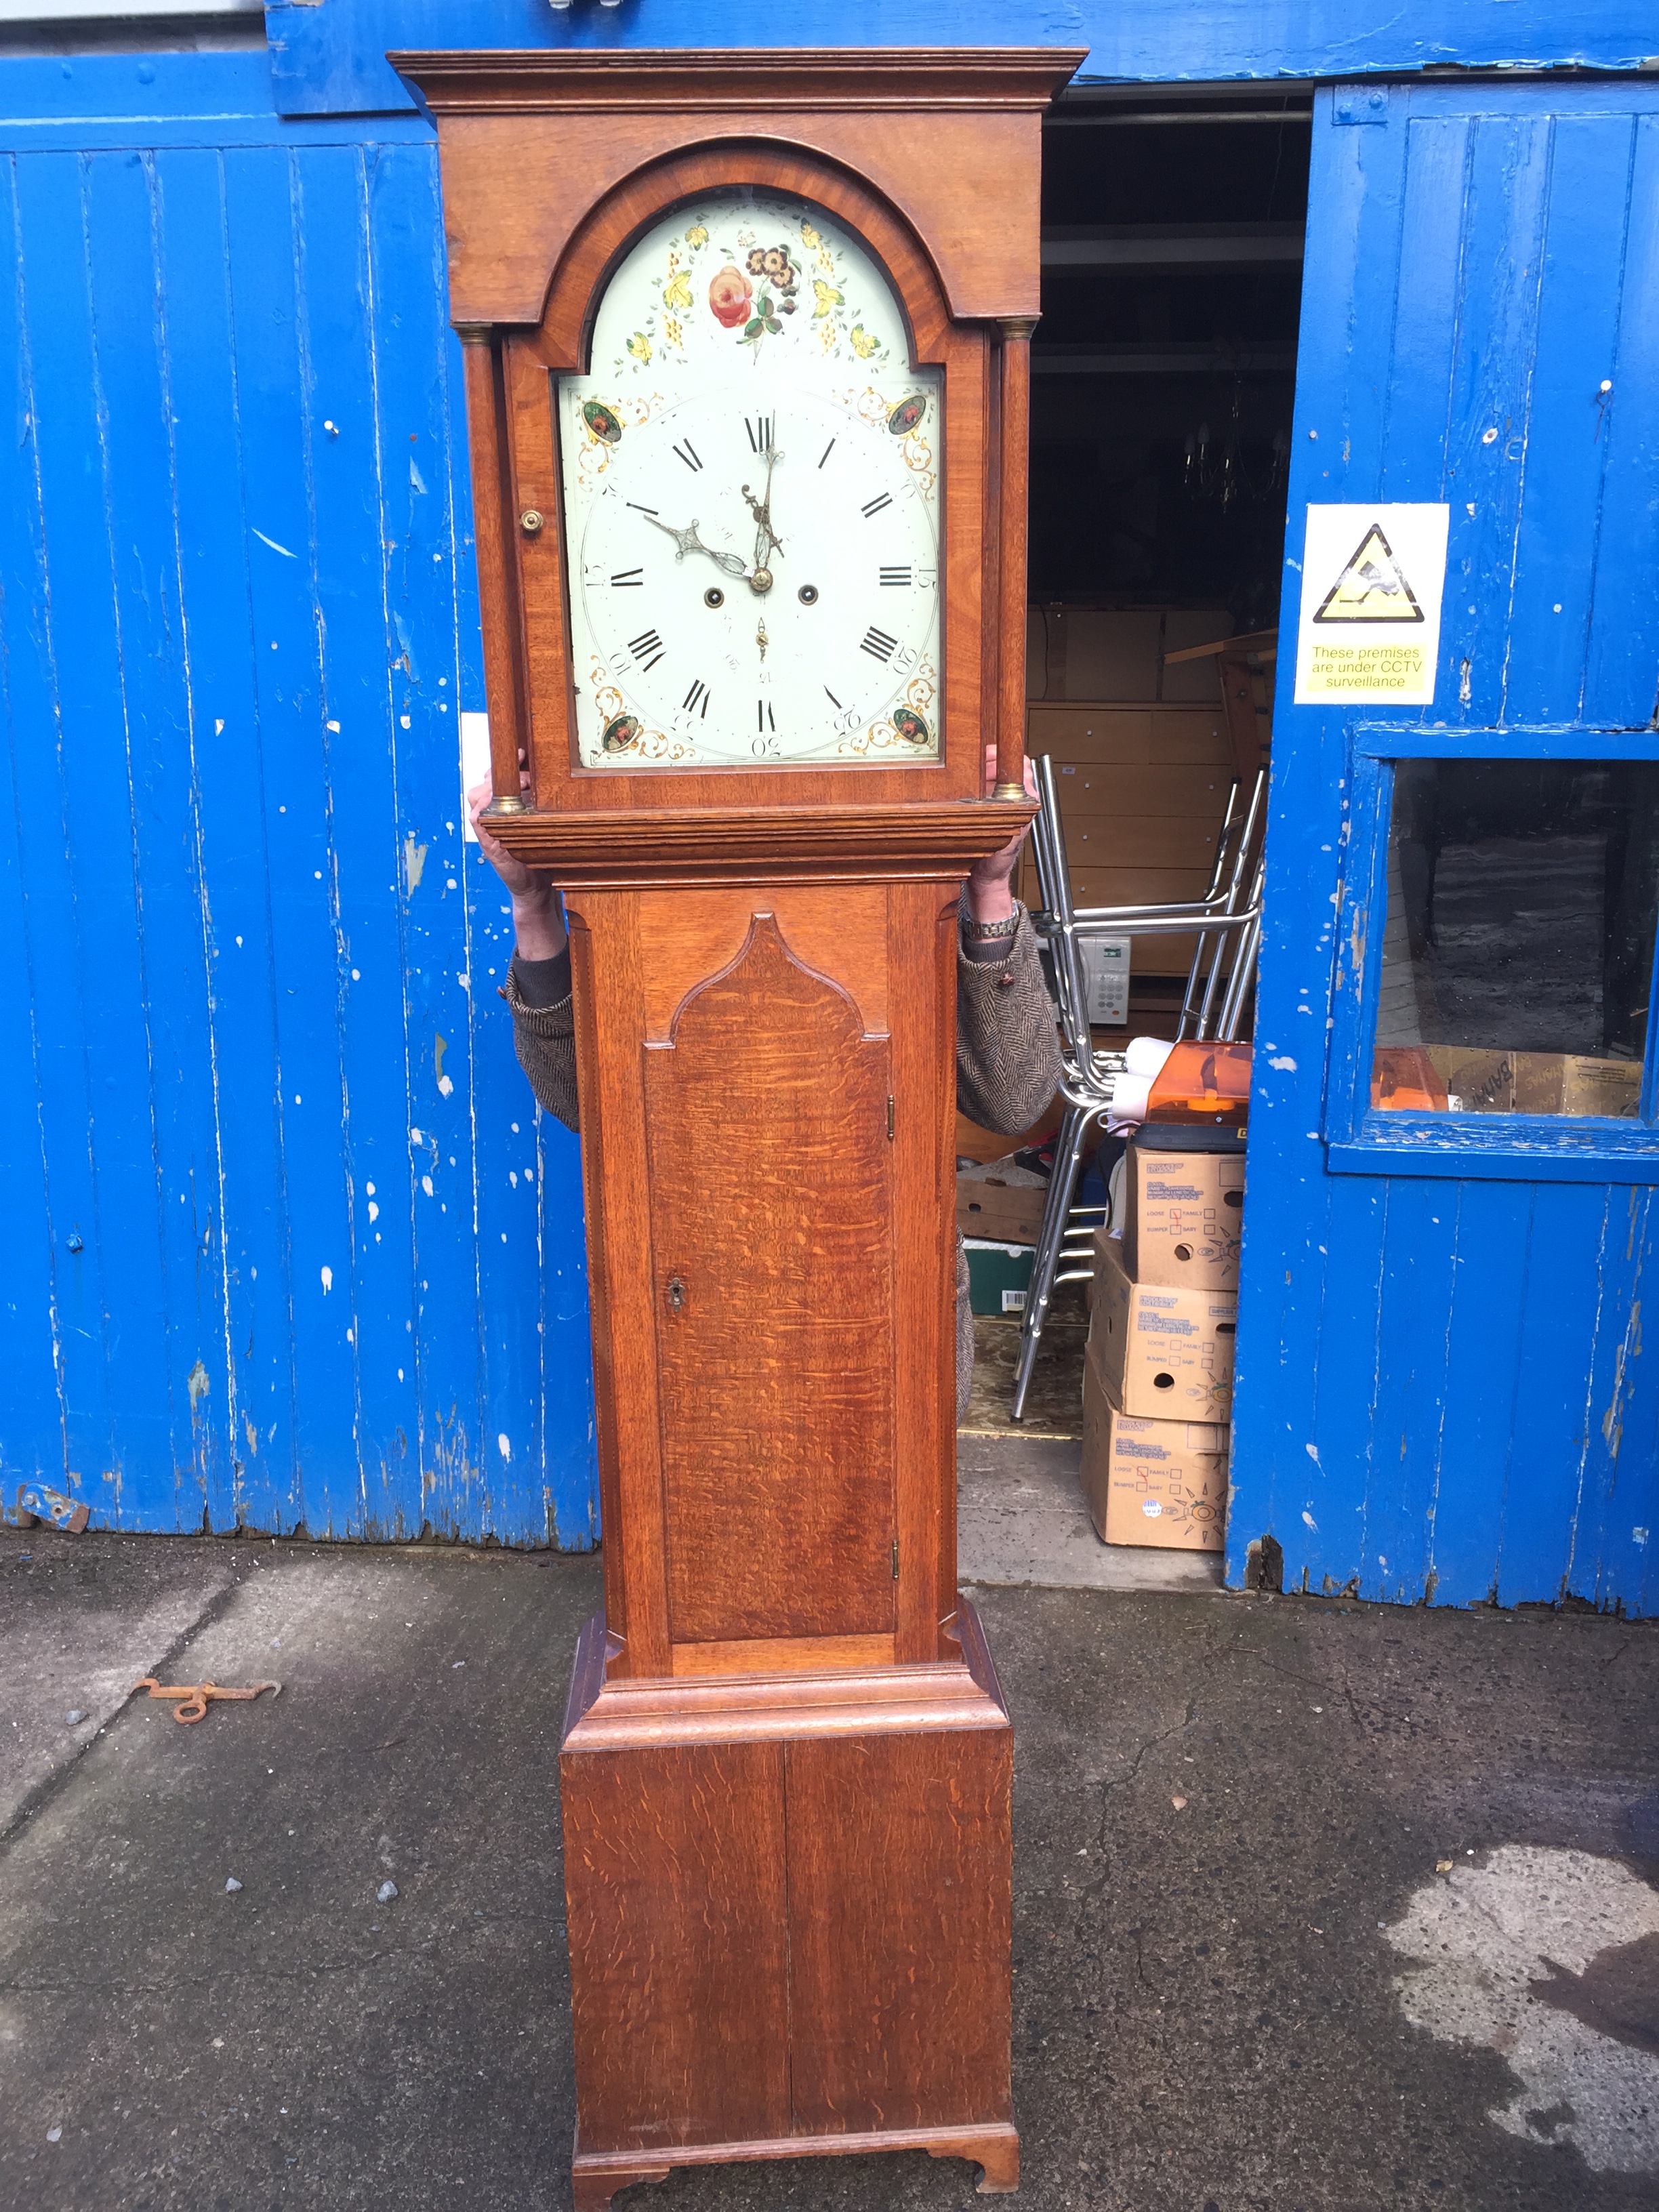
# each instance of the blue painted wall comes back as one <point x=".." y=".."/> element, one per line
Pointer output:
<point x="327" y="55"/>
<point x="283" y="1243"/>
<point x="1445" y="1387"/>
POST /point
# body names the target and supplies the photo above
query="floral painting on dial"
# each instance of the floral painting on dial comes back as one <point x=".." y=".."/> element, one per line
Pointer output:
<point x="751" y="471"/>
<point x="747" y="271"/>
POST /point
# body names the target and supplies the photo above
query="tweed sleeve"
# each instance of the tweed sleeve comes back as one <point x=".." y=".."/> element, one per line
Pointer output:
<point x="1007" y="1054"/>
<point x="544" y="1038"/>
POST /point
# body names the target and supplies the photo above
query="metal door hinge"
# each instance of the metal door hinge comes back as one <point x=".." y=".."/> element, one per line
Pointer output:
<point x="895" y="1558"/>
<point x="890" y="1117"/>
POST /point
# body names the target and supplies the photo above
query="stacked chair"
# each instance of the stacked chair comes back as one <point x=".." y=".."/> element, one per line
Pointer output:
<point x="1228" y="920"/>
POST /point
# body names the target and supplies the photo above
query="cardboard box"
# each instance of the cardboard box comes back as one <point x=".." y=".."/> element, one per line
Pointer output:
<point x="1183" y="1209"/>
<point x="1152" y="1482"/>
<point x="999" y="1276"/>
<point x="1572" y="1083"/>
<point x="999" y="1212"/>
<point x="1159" y="1351"/>
<point x="1497" y="1081"/>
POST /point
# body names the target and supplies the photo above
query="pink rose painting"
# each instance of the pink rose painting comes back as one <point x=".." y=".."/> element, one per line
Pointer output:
<point x="729" y="294"/>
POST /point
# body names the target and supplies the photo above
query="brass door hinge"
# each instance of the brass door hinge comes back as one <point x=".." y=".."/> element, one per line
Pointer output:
<point x="890" y="1117"/>
<point x="895" y="1558"/>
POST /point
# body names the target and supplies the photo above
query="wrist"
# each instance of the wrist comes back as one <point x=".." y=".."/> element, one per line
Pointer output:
<point x="538" y="927"/>
<point x="990" y="902"/>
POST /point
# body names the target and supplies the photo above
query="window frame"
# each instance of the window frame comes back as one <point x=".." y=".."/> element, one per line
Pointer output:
<point x="1364" y="1139"/>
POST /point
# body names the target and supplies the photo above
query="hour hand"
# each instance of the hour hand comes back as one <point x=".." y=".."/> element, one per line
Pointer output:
<point x="688" y="541"/>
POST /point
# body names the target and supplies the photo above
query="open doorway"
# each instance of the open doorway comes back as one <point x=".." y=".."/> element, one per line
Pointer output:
<point x="1164" y="376"/>
<point x="1164" y="380"/>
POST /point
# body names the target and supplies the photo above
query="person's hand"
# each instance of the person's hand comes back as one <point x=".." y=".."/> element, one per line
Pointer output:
<point x="990" y="896"/>
<point x="523" y="882"/>
<point x="537" y="923"/>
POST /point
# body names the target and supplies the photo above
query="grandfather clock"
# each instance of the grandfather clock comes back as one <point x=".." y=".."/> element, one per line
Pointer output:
<point x="747" y="348"/>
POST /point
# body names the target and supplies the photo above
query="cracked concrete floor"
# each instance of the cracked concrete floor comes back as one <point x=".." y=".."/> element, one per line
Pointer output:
<point x="1230" y="1812"/>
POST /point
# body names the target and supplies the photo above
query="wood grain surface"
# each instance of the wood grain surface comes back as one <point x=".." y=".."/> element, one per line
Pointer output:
<point x="608" y="1711"/>
<point x="962" y="165"/>
<point x="828" y="1904"/>
<point x="771" y="1182"/>
<point x="837" y="930"/>
<point x="886" y="837"/>
<point x="900" y="1927"/>
<point x="674" y="1888"/>
<point x="597" y="2177"/>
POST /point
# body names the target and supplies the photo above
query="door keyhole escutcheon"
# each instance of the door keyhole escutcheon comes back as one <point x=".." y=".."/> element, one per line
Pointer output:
<point x="676" y="1295"/>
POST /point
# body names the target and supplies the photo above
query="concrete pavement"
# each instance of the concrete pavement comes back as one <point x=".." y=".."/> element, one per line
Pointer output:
<point x="1243" y="1980"/>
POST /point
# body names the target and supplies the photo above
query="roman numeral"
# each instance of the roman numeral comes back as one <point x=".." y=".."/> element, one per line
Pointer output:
<point x="902" y="577"/>
<point x="875" y="506"/>
<point x="696" y="698"/>
<point x="625" y="576"/>
<point x="764" y="721"/>
<point x="825" y="454"/>
<point x="649" y="644"/>
<point x="688" y="453"/>
<point x="759" y="428"/>
<point x="831" y="697"/>
<point x="878" y="643"/>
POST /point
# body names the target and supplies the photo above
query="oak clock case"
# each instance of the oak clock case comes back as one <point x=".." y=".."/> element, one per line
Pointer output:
<point x="746" y="344"/>
<point x="751" y="479"/>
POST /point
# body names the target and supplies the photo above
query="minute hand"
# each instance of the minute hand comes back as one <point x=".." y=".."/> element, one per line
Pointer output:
<point x="766" y="541"/>
<point x="688" y="541"/>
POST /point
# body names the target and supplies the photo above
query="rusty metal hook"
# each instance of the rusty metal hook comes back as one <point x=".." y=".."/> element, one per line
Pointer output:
<point x="195" y="1695"/>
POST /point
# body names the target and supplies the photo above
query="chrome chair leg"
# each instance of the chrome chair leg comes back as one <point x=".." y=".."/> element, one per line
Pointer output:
<point x="1051" y="1238"/>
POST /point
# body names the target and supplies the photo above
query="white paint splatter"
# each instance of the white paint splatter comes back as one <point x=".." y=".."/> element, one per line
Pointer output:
<point x="503" y="1447"/>
<point x="414" y="862"/>
<point x="274" y="548"/>
<point x="328" y="1280"/>
<point x="1490" y="1935"/>
<point x="426" y="1185"/>
<point x="1309" y="1518"/>
<point x="1284" y="1062"/>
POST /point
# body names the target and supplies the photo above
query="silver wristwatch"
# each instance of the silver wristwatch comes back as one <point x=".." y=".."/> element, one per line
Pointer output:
<point x="980" y="931"/>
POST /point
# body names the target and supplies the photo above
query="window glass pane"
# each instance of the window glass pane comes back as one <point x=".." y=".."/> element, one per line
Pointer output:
<point x="1517" y="951"/>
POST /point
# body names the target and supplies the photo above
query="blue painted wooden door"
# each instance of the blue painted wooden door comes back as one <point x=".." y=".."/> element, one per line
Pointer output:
<point x="283" y="1244"/>
<point x="1445" y="1385"/>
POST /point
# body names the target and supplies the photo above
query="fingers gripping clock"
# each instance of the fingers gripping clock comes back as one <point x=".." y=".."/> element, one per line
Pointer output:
<point x="750" y="360"/>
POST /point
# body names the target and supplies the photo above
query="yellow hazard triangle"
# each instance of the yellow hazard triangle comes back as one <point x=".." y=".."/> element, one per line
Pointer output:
<point x="1371" y="588"/>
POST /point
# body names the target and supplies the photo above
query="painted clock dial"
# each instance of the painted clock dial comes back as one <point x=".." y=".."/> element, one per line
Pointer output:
<point x="752" y="483"/>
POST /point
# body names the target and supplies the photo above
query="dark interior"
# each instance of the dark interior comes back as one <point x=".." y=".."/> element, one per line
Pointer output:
<point x="1164" y="367"/>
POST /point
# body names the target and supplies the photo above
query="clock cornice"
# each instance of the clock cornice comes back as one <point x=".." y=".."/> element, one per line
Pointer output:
<point x="963" y="170"/>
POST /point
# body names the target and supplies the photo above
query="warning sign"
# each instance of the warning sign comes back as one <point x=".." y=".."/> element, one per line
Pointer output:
<point x="1371" y="583"/>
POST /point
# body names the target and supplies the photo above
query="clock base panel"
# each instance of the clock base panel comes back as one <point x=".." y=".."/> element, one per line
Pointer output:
<point x="789" y="1905"/>
<point x="598" y="2176"/>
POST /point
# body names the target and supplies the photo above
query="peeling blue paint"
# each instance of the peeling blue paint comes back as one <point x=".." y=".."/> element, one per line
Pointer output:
<point x="234" y="567"/>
